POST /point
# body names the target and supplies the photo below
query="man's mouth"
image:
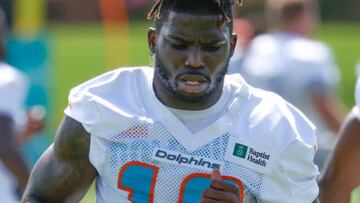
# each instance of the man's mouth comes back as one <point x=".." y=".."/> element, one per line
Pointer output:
<point x="192" y="83"/>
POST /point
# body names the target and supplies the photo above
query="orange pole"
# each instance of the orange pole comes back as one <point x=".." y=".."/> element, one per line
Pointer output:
<point x="116" y="26"/>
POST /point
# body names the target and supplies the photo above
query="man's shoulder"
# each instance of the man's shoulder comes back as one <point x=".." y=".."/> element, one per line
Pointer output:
<point x="266" y="104"/>
<point x="264" y="43"/>
<point x="119" y="73"/>
<point x="273" y="113"/>
<point x="278" y="104"/>
<point x="266" y="37"/>
<point x="118" y="78"/>
<point x="118" y="86"/>
<point x="308" y="50"/>
<point x="11" y="76"/>
<point x="110" y="97"/>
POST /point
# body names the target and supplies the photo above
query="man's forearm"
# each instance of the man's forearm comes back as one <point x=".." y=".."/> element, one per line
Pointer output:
<point x="10" y="154"/>
<point x="13" y="161"/>
<point x="32" y="199"/>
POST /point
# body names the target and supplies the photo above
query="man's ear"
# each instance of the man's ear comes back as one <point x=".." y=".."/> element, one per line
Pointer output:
<point x="152" y="39"/>
<point x="233" y="40"/>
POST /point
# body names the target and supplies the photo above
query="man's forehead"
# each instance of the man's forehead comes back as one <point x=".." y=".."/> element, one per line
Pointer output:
<point x="195" y="22"/>
<point x="189" y="26"/>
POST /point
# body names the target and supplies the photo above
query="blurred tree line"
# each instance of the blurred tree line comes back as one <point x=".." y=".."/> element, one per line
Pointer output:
<point x="88" y="10"/>
<point x="348" y="10"/>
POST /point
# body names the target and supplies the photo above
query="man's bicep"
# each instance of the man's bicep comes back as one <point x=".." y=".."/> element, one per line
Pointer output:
<point x="64" y="172"/>
<point x="344" y="163"/>
<point x="300" y="172"/>
<point x="339" y="176"/>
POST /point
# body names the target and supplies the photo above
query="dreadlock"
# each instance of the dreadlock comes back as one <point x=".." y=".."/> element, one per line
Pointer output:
<point x="224" y="5"/>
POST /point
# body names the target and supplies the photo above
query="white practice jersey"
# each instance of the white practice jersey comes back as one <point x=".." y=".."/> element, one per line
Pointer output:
<point x="357" y="97"/>
<point x="294" y="67"/>
<point x="13" y="90"/>
<point x="144" y="153"/>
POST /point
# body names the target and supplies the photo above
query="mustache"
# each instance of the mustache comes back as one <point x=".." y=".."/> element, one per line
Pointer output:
<point x="193" y="72"/>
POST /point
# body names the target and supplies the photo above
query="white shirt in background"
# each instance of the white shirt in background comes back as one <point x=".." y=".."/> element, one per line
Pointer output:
<point x="13" y="91"/>
<point x="295" y="68"/>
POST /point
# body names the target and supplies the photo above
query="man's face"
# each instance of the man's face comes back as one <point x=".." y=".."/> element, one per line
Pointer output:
<point x="192" y="55"/>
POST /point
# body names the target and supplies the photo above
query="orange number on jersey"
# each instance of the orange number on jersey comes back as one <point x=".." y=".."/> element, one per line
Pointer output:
<point x="139" y="180"/>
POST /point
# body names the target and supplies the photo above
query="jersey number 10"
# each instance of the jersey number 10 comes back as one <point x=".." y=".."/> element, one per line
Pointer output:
<point x="139" y="180"/>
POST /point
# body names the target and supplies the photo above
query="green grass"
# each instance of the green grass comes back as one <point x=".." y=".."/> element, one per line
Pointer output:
<point x="79" y="53"/>
<point x="344" y="39"/>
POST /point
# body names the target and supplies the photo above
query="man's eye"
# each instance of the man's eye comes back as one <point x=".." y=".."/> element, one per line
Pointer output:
<point x="180" y="46"/>
<point x="211" y="48"/>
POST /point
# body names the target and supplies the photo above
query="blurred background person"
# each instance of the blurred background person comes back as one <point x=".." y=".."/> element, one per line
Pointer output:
<point x="16" y="126"/>
<point x="341" y="173"/>
<point x="7" y="6"/>
<point x="248" y="22"/>
<point x="27" y="50"/>
<point x="303" y="71"/>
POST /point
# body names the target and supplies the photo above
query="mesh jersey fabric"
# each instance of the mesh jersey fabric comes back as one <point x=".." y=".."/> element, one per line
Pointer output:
<point x="296" y="68"/>
<point x="196" y="120"/>
<point x="143" y="152"/>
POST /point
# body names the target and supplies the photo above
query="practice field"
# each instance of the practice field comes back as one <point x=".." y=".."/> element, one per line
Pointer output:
<point x="79" y="53"/>
<point x="344" y="39"/>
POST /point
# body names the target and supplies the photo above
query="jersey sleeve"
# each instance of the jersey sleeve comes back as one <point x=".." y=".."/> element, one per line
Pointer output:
<point x="357" y="98"/>
<point x="300" y="173"/>
<point x="82" y="108"/>
<point x="297" y="164"/>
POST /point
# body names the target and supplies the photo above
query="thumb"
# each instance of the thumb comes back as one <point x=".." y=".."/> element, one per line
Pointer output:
<point x="216" y="175"/>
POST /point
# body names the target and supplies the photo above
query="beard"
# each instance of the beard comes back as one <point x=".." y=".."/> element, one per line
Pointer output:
<point x="162" y="74"/>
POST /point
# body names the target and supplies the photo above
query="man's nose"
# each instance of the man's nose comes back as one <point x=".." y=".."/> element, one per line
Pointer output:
<point x="194" y="58"/>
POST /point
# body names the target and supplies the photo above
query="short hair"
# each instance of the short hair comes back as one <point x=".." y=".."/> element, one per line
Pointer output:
<point x="161" y="9"/>
<point x="294" y="9"/>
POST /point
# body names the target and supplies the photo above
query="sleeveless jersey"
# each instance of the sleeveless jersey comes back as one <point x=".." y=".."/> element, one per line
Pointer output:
<point x="144" y="153"/>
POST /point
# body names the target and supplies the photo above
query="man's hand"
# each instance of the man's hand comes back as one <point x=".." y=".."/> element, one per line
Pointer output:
<point x="220" y="191"/>
<point x="34" y="124"/>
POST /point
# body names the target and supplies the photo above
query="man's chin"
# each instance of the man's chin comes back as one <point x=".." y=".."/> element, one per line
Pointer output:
<point x="192" y="97"/>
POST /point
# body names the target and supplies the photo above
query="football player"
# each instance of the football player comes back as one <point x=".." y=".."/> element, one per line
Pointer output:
<point x="164" y="134"/>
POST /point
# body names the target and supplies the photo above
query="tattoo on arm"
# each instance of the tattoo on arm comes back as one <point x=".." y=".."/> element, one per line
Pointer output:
<point x="63" y="173"/>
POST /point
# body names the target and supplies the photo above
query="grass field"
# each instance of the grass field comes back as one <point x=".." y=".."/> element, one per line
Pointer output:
<point x="344" y="39"/>
<point x="79" y="53"/>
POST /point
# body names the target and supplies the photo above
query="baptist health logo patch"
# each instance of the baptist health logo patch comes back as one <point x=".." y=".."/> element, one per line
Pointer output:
<point x="240" y="150"/>
<point x="257" y="158"/>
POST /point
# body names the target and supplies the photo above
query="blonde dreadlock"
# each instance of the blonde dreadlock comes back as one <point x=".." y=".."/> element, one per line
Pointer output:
<point x="155" y="11"/>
